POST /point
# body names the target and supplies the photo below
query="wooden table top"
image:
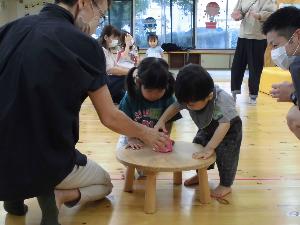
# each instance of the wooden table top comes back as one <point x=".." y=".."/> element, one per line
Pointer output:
<point x="179" y="159"/>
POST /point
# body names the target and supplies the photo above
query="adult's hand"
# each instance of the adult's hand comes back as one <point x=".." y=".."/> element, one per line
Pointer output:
<point x="282" y="91"/>
<point x="128" y="40"/>
<point x="154" y="138"/>
<point x="236" y="15"/>
<point x="255" y="15"/>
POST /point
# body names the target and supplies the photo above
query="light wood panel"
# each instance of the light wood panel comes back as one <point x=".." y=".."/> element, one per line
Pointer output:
<point x="266" y="190"/>
<point x="178" y="160"/>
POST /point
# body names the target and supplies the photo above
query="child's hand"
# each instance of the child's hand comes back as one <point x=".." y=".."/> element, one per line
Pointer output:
<point x="128" y="40"/>
<point x="134" y="144"/>
<point x="205" y="154"/>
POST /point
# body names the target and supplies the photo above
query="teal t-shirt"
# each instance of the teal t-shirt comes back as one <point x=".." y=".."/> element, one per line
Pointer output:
<point x="144" y="111"/>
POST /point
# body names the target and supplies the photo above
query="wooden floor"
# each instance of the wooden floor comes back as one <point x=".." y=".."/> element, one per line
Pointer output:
<point x="266" y="190"/>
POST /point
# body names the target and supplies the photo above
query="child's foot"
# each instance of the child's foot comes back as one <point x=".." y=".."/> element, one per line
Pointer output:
<point x="191" y="181"/>
<point x="220" y="191"/>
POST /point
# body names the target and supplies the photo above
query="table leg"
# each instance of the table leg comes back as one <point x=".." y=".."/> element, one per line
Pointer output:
<point x="177" y="178"/>
<point x="204" y="192"/>
<point x="129" y="178"/>
<point x="150" y="194"/>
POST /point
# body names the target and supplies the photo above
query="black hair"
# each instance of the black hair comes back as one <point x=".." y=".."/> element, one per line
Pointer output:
<point x="108" y="30"/>
<point x="193" y="83"/>
<point x="152" y="73"/>
<point x="72" y="2"/>
<point x="152" y="37"/>
<point x="285" y="21"/>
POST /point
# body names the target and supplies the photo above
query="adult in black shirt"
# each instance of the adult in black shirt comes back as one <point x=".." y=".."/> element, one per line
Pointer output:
<point x="47" y="68"/>
<point x="283" y="34"/>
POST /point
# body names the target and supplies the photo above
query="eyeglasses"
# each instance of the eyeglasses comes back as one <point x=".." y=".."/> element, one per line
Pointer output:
<point x="100" y="14"/>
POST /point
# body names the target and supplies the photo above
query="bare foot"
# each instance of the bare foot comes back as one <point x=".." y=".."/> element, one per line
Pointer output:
<point x="220" y="191"/>
<point x="64" y="196"/>
<point x="192" y="181"/>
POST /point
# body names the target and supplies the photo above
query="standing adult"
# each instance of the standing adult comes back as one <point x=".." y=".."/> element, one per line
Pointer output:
<point x="251" y="44"/>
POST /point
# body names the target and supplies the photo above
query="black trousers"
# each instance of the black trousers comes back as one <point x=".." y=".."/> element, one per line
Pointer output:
<point x="116" y="87"/>
<point x="228" y="150"/>
<point x="248" y="52"/>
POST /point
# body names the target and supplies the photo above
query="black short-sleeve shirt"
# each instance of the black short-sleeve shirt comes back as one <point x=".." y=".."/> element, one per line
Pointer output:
<point x="47" y="67"/>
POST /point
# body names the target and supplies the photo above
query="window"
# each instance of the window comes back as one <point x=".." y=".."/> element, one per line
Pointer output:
<point x="233" y="27"/>
<point x="151" y="17"/>
<point x="120" y="14"/>
<point x="182" y="23"/>
<point x="215" y="28"/>
<point x="174" y="21"/>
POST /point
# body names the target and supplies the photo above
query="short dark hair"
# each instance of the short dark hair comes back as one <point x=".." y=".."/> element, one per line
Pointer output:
<point x="108" y="30"/>
<point x="285" y="21"/>
<point x="193" y="83"/>
<point x="152" y="37"/>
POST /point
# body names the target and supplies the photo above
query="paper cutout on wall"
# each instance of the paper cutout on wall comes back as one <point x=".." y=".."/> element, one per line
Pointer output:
<point x="212" y="10"/>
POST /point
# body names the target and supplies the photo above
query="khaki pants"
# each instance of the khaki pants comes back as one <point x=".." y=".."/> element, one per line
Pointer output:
<point x="92" y="181"/>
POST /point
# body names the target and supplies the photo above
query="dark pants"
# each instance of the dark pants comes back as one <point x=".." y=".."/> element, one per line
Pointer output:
<point x="228" y="150"/>
<point x="116" y="87"/>
<point x="248" y="52"/>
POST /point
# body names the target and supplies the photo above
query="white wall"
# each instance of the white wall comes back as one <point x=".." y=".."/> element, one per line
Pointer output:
<point x="8" y="11"/>
<point x="13" y="9"/>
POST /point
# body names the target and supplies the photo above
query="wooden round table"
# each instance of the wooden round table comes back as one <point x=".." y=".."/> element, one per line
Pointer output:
<point x="151" y="162"/>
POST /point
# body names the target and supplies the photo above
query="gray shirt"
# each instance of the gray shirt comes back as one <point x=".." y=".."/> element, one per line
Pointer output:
<point x="295" y="73"/>
<point x="221" y="108"/>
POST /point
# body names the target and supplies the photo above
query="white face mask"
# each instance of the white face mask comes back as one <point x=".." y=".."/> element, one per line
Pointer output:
<point x="113" y="44"/>
<point x="281" y="58"/>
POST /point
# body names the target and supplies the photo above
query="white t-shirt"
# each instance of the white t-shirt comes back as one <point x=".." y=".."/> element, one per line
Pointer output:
<point x="154" y="52"/>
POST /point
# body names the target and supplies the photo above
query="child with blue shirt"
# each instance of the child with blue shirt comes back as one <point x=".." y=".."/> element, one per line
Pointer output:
<point x="220" y="127"/>
<point x="150" y="88"/>
<point x="155" y="50"/>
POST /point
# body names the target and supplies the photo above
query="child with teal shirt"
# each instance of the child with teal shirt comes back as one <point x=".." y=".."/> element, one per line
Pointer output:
<point x="150" y="89"/>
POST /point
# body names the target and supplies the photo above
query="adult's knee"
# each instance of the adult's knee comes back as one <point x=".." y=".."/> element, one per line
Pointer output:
<point x="293" y="119"/>
<point x="107" y="182"/>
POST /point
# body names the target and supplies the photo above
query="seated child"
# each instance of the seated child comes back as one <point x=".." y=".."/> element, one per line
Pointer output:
<point x="220" y="127"/>
<point x="155" y="50"/>
<point x="128" y="55"/>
